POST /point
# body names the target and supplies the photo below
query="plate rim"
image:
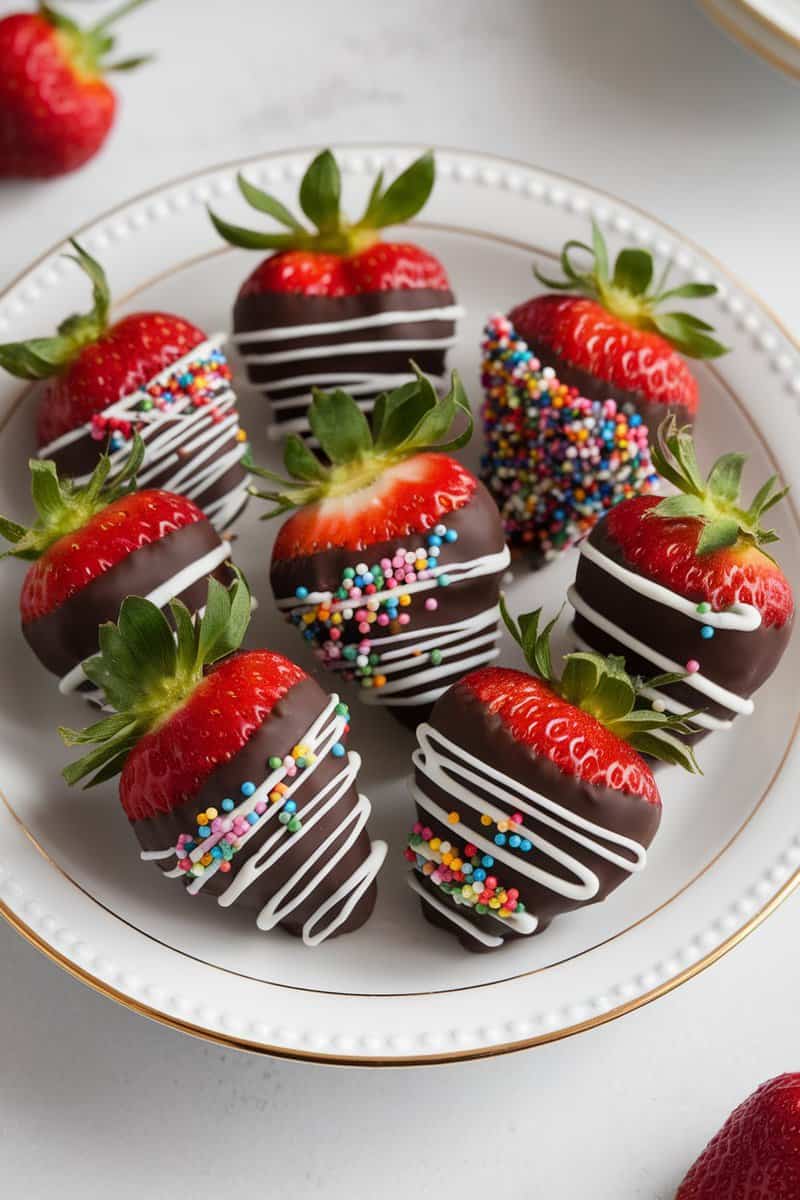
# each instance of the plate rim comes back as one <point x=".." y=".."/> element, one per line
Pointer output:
<point x="234" y="1041"/>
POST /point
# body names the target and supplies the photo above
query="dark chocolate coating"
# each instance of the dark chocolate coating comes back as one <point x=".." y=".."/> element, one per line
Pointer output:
<point x="283" y="728"/>
<point x="271" y="310"/>
<point x="66" y="636"/>
<point x="740" y="662"/>
<point x="480" y="532"/>
<point x="462" y="718"/>
<point x="652" y="412"/>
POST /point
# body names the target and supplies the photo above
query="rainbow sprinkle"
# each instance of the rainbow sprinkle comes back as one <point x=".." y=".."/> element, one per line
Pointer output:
<point x="346" y="625"/>
<point x="464" y="874"/>
<point x="555" y="461"/>
<point x="200" y="380"/>
<point x="220" y="834"/>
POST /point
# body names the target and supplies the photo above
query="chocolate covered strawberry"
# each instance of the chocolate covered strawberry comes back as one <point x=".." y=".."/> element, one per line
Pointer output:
<point x="92" y="546"/>
<point x="335" y="306"/>
<point x="391" y="566"/>
<point x="150" y="372"/>
<point x="532" y="795"/>
<point x="56" y="108"/>
<point x="685" y="584"/>
<point x="604" y="332"/>
<point x="756" y="1154"/>
<point x="233" y="768"/>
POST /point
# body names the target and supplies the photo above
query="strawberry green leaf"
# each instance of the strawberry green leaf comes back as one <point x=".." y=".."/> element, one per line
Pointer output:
<point x="249" y="239"/>
<point x="664" y="746"/>
<point x="265" y="203"/>
<point x="320" y="192"/>
<point x="680" y="506"/>
<point x="725" y="478"/>
<point x="689" y="291"/>
<point x="718" y="535"/>
<point x="340" y="427"/>
<point x="633" y="271"/>
<point x="581" y="676"/>
<point x="301" y="462"/>
<point x="404" y="197"/>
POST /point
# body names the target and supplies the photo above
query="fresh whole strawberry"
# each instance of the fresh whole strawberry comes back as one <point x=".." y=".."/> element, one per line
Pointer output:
<point x="391" y="566"/>
<point x="685" y="584"/>
<point x="92" y="546"/>
<point x="56" y="108"/>
<point x="532" y="795"/>
<point x="604" y="334"/>
<point x="756" y="1154"/>
<point x="334" y="306"/>
<point x="234" y="774"/>
<point x="152" y="372"/>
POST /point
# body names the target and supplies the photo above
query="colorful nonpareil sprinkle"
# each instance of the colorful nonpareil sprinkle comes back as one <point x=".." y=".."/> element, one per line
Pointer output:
<point x="218" y="836"/>
<point x="374" y="602"/>
<point x="200" y="381"/>
<point x="555" y="462"/>
<point x="464" y="873"/>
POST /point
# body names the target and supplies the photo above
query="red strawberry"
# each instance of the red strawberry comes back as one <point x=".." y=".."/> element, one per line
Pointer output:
<point x="532" y="795"/>
<point x="684" y="583"/>
<point x="94" y="545"/>
<point x="608" y="338"/>
<point x="756" y="1154"/>
<point x="234" y="774"/>
<point x="56" y="108"/>
<point x="337" y="306"/>
<point x="392" y="564"/>
<point x="150" y="371"/>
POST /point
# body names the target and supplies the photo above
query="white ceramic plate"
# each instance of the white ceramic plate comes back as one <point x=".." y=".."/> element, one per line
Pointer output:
<point x="398" y="991"/>
<point x="770" y="28"/>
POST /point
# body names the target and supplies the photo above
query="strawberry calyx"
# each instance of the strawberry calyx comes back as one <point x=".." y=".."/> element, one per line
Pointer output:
<point x="407" y="421"/>
<point x="147" y="670"/>
<point x="320" y="198"/>
<point x="715" y="500"/>
<point x="64" y="508"/>
<point x="629" y="293"/>
<point x="87" y="49"/>
<point x="39" y="358"/>
<point x="603" y="688"/>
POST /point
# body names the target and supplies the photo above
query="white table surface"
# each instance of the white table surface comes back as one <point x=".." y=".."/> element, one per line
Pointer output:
<point x="642" y="98"/>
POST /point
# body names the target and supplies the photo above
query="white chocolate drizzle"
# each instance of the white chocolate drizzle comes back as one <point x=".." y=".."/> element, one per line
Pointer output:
<point x="474" y="785"/>
<point x="324" y="733"/>
<point x="462" y="645"/>
<point x="184" y="439"/>
<point x="357" y="383"/>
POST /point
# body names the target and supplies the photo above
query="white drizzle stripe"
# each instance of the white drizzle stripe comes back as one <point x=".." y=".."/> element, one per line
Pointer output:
<point x="445" y="764"/>
<point x="324" y="733"/>
<point x="344" y="379"/>
<point x="446" y="911"/>
<point x="361" y="387"/>
<point x="706" y="687"/>
<point x="703" y="720"/>
<point x="521" y="922"/>
<point x="450" y="312"/>
<point x="164" y="431"/>
<point x="742" y="617"/>
<point x="345" y="349"/>
<point x="160" y="596"/>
